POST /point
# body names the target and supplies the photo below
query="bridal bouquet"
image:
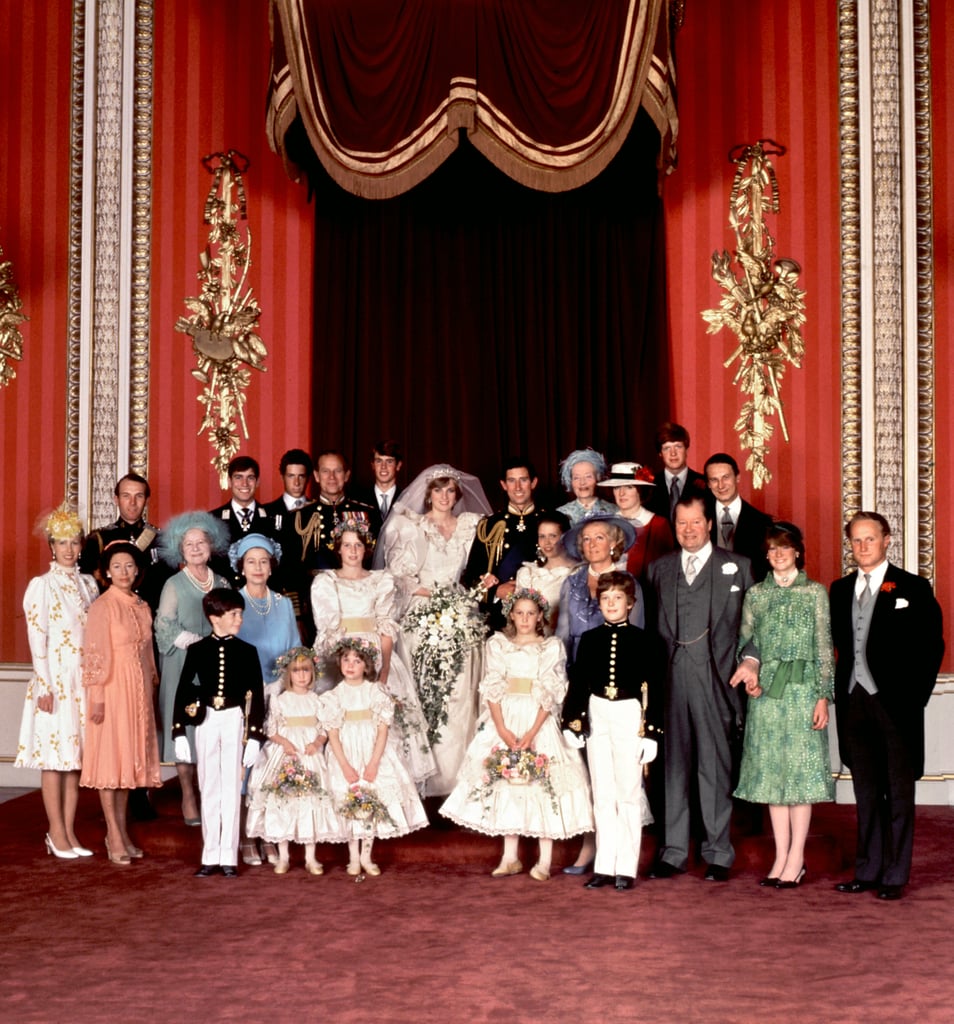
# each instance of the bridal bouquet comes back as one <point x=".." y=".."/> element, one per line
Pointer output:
<point x="447" y="626"/>
<point x="294" y="779"/>
<point x="516" y="768"/>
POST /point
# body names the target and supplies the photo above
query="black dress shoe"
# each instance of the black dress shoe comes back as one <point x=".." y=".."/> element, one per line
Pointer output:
<point x="793" y="883"/>
<point x="624" y="882"/>
<point x="716" y="873"/>
<point x="598" y="881"/>
<point x="890" y="892"/>
<point x="855" y="885"/>
<point x="663" y="869"/>
<point x="229" y="871"/>
<point x="207" y="870"/>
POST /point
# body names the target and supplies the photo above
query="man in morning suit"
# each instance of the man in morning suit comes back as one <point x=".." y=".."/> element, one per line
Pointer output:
<point x="736" y="525"/>
<point x="505" y="540"/>
<point x="387" y="459"/>
<point x="887" y="631"/>
<point x="699" y="590"/>
<point x="676" y="479"/>
<point x="242" y="513"/>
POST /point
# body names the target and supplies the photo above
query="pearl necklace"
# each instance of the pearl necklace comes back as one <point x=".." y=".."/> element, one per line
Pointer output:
<point x="263" y="607"/>
<point x="203" y="588"/>
<point x="596" y="574"/>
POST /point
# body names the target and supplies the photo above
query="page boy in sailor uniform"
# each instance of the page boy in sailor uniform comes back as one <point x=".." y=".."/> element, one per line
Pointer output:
<point x="604" y="702"/>
<point x="220" y="692"/>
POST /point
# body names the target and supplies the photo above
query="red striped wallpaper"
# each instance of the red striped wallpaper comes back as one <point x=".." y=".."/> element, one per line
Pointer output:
<point x="744" y="76"/>
<point x="34" y="216"/>
<point x="741" y="77"/>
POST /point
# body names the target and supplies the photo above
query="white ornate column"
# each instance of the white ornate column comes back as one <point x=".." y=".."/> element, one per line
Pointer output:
<point x="110" y="198"/>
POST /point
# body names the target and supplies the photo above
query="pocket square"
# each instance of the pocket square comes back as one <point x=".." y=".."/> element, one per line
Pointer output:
<point x="900" y="603"/>
<point x="733" y="589"/>
<point x="729" y="569"/>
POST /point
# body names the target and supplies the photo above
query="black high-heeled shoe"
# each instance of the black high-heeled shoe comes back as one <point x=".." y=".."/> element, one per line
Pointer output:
<point x="794" y="883"/>
<point x="769" y="882"/>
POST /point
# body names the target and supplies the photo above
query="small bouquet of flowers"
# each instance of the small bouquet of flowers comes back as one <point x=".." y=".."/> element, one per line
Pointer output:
<point x="516" y="768"/>
<point x="363" y="805"/>
<point x="448" y="625"/>
<point x="294" y="780"/>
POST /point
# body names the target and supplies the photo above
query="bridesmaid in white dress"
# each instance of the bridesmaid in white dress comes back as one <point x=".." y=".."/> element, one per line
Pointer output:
<point x="353" y="601"/>
<point x="425" y="543"/>
<point x="552" y="566"/>
<point x="524" y="686"/>
<point x="54" y="712"/>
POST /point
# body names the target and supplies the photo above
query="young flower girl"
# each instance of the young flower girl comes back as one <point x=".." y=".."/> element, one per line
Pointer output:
<point x="289" y="799"/>
<point x="372" y="790"/>
<point x="519" y="776"/>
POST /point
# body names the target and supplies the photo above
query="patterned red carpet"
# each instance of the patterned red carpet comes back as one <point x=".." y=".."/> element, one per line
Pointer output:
<point x="435" y="938"/>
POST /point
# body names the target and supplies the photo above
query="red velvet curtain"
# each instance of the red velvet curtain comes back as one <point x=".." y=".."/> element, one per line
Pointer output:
<point x="514" y="321"/>
<point x="462" y="313"/>
<point x="547" y="89"/>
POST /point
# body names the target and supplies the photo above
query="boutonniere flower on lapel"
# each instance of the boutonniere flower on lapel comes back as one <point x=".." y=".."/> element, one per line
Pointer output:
<point x="729" y="569"/>
<point x="887" y="587"/>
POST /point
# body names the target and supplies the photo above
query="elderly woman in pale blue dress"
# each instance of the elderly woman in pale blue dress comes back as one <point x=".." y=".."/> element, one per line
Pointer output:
<point x="187" y="543"/>
<point x="580" y="472"/>
<point x="785" y="761"/>
<point x="269" y="620"/>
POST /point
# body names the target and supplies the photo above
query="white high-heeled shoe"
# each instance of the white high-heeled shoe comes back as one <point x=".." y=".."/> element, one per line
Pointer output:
<point x="81" y="851"/>
<point x="69" y="854"/>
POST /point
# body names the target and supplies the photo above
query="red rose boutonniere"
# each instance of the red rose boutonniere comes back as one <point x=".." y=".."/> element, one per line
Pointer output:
<point x="887" y="587"/>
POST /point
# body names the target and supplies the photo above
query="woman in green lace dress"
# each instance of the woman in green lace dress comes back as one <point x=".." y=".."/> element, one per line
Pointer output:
<point x="785" y="761"/>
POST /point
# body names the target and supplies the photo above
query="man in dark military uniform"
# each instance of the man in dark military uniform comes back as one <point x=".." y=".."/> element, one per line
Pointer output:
<point x="505" y="540"/>
<point x="131" y="494"/>
<point x="311" y="548"/>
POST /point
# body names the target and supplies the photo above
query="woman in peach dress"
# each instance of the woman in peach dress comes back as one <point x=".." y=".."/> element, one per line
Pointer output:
<point x="121" y="750"/>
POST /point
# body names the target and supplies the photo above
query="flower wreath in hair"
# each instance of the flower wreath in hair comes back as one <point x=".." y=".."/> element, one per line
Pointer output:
<point x="525" y="594"/>
<point x="353" y="524"/>
<point x="353" y="643"/>
<point x="298" y="654"/>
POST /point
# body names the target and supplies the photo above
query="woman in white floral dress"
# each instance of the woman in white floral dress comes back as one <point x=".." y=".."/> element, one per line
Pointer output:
<point x="54" y="712"/>
<point x="425" y="543"/>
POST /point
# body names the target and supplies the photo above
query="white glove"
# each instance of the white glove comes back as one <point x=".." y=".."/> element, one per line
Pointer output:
<point x="183" y="753"/>
<point x="251" y="753"/>
<point x="648" y="750"/>
<point x="185" y="639"/>
<point x="574" y="740"/>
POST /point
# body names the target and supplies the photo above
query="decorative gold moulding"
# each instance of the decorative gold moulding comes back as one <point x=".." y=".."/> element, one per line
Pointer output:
<point x="762" y="304"/>
<point x="11" y="341"/>
<point x="224" y="316"/>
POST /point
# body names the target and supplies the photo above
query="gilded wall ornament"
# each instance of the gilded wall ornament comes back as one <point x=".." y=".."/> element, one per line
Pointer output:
<point x="11" y="341"/>
<point x="762" y="303"/>
<point x="224" y="316"/>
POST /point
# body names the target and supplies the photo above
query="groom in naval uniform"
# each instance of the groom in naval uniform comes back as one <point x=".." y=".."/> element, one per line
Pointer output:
<point x="505" y="540"/>
<point x="699" y="591"/>
<point x="887" y="632"/>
